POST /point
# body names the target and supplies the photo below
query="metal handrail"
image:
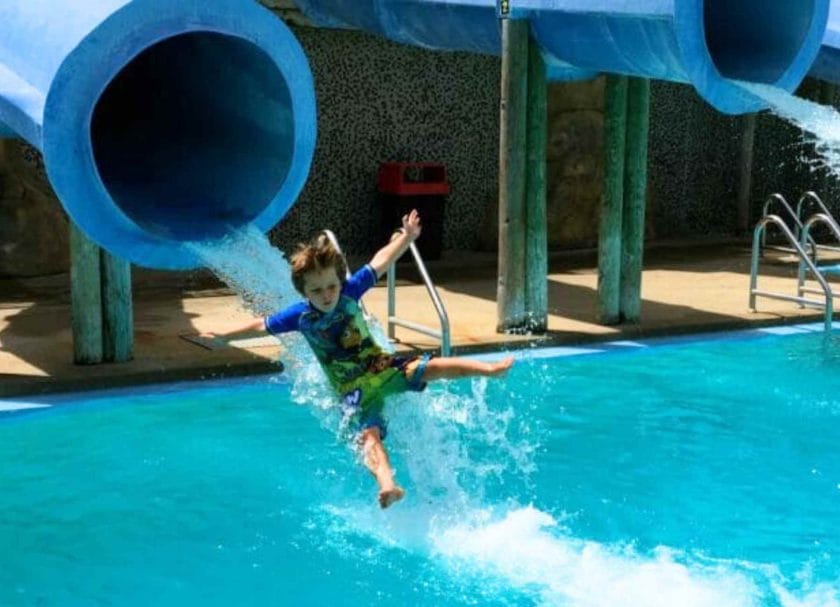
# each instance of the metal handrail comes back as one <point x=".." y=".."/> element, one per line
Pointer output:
<point x="393" y="322"/>
<point x="760" y="228"/>
<point x="347" y="274"/>
<point x="794" y="215"/>
<point x="828" y="220"/>
<point x="811" y="196"/>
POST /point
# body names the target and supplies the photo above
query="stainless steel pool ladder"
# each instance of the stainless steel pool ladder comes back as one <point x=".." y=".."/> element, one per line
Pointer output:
<point x="393" y="322"/>
<point x="798" y="245"/>
<point x="778" y="199"/>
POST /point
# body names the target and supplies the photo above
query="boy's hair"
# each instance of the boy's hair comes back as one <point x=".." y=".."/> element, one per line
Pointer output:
<point x="317" y="254"/>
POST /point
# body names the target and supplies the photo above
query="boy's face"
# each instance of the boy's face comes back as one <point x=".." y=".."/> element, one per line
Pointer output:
<point x="322" y="288"/>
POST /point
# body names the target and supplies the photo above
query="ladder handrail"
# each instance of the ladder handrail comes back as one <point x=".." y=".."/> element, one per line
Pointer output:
<point x="443" y="335"/>
<point x="814" y="219"/>
<point x="347" y="274"/>
<point x="811" y="196"/>
<point x="803" y="257"/>
<point x="794" y="215"/>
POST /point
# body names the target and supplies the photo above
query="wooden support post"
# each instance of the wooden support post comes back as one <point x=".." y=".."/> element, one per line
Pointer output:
<point x="86" y="299"/>
<point x="536" y="258"/>
<point x="510" y="301"/>
<point x="635" y="190"/>
<point x="117" y="312"/>
<point x="609" y="236"/>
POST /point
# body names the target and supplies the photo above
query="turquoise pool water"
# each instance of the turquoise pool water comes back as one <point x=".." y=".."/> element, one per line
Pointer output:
<point x="684" y="473"/>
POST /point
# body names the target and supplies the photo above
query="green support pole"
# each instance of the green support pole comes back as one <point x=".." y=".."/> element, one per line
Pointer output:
<point x="86" y="299"/>
<point x="117" y="313"/>
<point x="609" y="229"/>
<point x="536" y="259"/>
<point x="635" y="189"/>
<point x="510" y="300"/>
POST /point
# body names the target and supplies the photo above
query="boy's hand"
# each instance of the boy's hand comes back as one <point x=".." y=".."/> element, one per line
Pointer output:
<point x="411" y="224"/>
<point x="400" y="242"/>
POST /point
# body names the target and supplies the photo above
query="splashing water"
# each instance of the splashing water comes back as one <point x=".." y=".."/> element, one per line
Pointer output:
<point x="456" y="445"/>
<point x="260" y="275"/>
<point x="822" y="123"/>
<point x="442" y="422"/>
<point x="460" y="447"/>
<point x="247" y="262"/>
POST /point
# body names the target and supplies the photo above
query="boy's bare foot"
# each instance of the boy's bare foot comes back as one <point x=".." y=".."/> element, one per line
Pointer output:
<point x="500" y="367"/>
<point x="390" y="496"/>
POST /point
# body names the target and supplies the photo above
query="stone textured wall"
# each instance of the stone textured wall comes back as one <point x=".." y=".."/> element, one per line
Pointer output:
<point x="34" y="236"/>
<point x="574" y="163"/>
<point x="380" y="101"/>
<point x="693" y="165"/>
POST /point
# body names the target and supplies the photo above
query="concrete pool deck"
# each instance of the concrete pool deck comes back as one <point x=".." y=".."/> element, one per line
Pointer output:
<point x="685" y="289"/>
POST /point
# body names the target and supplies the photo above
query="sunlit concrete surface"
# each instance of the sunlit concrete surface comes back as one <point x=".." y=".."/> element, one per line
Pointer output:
<point x="685" y="290"/>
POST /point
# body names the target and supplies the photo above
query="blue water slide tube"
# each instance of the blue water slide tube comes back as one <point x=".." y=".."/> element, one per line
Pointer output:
<point x="160" y="121"/>
<point x="708" y="43"/>
<point x="827" y="65"/>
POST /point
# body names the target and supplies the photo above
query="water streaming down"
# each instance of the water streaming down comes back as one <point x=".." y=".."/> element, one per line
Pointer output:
<point x="821" y="123"/>
<point x="466" y="452"/>
<point x="247" y="262"/>
<point x="259" y="274"/>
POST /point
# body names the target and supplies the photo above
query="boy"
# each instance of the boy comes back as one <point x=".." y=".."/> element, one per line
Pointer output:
<point x="361" y="372"/>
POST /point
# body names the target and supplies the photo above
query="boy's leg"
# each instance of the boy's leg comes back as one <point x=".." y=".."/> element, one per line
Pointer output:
<point x="449" y="368"/>
<point x="376" y="459"/>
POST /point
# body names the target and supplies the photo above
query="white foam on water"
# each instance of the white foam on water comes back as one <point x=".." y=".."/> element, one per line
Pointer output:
<point x="450" y="448"/>
<point x="525" y="549"/>
<point x="821" y="595"/>
<point x="568" y="571"/>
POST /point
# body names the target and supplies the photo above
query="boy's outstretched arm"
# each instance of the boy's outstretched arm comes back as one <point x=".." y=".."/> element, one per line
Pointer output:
<point x="391" y="252"/>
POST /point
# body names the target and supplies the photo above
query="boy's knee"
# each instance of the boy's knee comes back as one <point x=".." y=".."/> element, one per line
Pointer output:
<point x="411" y="369"/>
<point x="370" y="435"/>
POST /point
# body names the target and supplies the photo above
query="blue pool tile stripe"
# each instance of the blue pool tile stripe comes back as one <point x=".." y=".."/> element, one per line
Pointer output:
<point x="796" y="329"/>
<point x="624" y="345"/>
<point x="49" y="400"/>
<point x="15" y="405"/>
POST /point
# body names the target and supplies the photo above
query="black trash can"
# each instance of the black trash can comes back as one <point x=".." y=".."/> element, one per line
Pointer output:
<point x="414" y="185"/>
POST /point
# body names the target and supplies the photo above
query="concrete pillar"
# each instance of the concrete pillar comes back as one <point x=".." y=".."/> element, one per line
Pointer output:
<point x="510" y="301"/>
<point x="86" y="297"/>
<point x="117" y="310"/>
<point x="536" y="259"/>
<point x="612" y="202"/>
<point x="102" y="316"/>
<point x="635" y="191"/>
